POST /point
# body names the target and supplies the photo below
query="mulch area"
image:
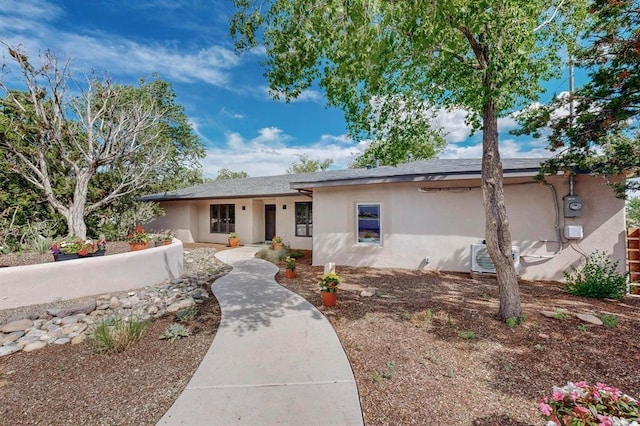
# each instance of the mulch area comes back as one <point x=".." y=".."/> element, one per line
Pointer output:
<point x="428" y="349"/>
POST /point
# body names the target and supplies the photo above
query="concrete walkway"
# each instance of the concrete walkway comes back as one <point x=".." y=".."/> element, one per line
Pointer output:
<point x="275" y="359"/>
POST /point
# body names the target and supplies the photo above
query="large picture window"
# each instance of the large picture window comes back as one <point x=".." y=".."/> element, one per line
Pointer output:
<point x="369" y="224"/>
<point x="222" y="218"/>
<point x="304" y="219"/>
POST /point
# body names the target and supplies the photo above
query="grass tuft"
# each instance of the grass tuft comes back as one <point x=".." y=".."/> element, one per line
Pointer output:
<point x="117" y="335"/>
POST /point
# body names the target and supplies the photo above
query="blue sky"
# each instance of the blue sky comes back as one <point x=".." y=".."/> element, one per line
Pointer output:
<point x="225" y="96"/>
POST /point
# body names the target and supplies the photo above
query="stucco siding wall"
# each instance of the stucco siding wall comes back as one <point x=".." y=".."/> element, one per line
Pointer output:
<point x="191" y="220"/>
<point x="179" y="217"/>
<point x="443" y="222"/>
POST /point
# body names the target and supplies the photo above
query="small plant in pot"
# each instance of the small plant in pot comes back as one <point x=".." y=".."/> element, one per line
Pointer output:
<point x="276" y="243"/>
<point x="328" y="287"/>
<point x="164" y="239"/>
<point x="234" y="240"/>
<point x="290" y="267"/>
<point x="138" y="239"/>
<point x="74" y="247"/>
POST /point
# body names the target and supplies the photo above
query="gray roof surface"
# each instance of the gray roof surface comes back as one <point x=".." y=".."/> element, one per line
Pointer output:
<point x="289" y="184"/>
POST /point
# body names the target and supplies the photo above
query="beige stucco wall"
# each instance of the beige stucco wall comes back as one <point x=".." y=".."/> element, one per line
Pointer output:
<point x="180" y="218"/>
<point x="48" y="282"/>
<point x="191" y="218"/>
<point x="443" y="222"/>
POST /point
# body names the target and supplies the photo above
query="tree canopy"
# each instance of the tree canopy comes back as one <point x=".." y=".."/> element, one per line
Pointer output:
<point x="230" y="174"/>
<point x="307" y="165"/>
<point x="387" y="64"/>
<point x="602" y="133"/>
<point x="91" y="154"/>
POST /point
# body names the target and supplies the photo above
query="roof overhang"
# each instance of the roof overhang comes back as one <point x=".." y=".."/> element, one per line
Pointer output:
<point x="408" y="178"/>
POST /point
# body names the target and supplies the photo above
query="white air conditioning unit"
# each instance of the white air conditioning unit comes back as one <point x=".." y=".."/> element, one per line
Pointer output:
<point x="481" y="261"/>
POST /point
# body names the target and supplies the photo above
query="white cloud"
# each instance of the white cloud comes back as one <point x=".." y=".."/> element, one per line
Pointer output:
<point x="34" y="27"/>
<point x="268" y="153"/>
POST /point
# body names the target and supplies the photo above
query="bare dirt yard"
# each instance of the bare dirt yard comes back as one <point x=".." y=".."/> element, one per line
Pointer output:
<point x="426" y="349"/>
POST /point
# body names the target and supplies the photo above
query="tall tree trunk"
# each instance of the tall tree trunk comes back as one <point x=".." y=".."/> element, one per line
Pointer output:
<point x="75" y="216"/>
<point x="497" y="234"/>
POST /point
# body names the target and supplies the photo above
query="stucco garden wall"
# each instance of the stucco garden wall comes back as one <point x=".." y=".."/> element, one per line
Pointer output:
<point x="48" y="282"/>
<point x="445" y="220"/>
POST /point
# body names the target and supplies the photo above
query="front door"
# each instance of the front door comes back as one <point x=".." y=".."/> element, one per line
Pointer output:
<point x="269" y="221"/>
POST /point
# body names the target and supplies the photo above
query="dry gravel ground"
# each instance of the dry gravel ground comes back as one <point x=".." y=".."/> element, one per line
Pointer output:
<point x="412" y="360"/>
<point x="415" y="360"/>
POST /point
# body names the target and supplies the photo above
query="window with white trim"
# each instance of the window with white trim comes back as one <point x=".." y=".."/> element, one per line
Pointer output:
<point x="368" y="224"/>
<point x="304" y="219"/>
<point x="222" y="218"/>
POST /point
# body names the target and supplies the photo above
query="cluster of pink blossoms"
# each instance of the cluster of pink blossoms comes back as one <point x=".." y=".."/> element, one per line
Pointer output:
<point x="581" y="404"/>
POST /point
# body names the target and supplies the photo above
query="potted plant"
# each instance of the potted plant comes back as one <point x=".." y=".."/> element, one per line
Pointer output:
<point x="234" y="240"/>
<point x="328" y="287"/>
<point x="164" y="239"/>
<point x="276" y="243"/>
<point x="138" y="239"/>
<point x="290" y="267"/>
<point x="74" y="247"/>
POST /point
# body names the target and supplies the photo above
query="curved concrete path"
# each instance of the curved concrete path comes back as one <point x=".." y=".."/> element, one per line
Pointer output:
<point x="275" y="359"/>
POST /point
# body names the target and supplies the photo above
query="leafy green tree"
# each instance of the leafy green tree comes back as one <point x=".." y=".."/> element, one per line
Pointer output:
<point x="386" y="63"/>
<point x="602" y="133"/>
<point x="633" y="212"/>
<point x="230" y="174"/>
<point x="93" y="153"/>
<point x="307" y="165"/>
<point x="386" y="153"/>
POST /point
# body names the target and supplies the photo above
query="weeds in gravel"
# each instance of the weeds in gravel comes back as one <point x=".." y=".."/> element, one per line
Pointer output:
<point x="581" y="328"/>
<point x="558" y="314"/>
<point x="423" y="316"/>
<point x="405" y="316"/>
<point x="187" y="314"/>
<point x="451" y="373"/>
<point x="467" y="335"/>
<point x="434" y="358"/>
<point x="539" y="347"/>
<point x="609" y="320"/>
<point x="388" y="373"/>
<point x="513" y="321"/>
<point x="117" y="335"/>
<point x="175" y="331"/>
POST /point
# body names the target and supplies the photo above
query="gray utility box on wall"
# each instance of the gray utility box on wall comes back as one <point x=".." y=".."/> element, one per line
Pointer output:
<point x="572" y="206"/>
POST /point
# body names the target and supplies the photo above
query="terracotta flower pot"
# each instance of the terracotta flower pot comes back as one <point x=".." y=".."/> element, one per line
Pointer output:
<point x="137" y="246"/>
<point x="234" y="242"/>
<point x="167" y="242"/>
<point x="289" y="273"/>
<point x="329" y="299"/>
<point x="277" y="246"/>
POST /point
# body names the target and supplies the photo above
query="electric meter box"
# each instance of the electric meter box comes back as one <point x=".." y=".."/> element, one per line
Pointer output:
<point x="573" y="232"/>
<point x="572" y="206"/>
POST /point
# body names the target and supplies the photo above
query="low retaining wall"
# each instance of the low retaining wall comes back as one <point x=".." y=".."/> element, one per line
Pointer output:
<point x="49" y="282"/>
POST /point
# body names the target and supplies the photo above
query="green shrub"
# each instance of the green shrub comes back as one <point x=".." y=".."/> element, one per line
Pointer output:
<point x="117" y="335"/>
<point x="467" y="335"/>
<point x="609" y="320"/>
<point x="274" y="256"/>
<point x="41" y="245"/>
<point x="175" y="331"/>
<point x="598" y="277"/>
<point x="187" y="314"/>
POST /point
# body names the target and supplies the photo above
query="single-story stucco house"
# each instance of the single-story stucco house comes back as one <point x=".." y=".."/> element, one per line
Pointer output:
<point x="424" y="215"/>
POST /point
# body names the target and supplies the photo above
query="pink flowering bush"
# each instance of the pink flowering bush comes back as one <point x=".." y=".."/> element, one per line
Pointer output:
<point x="581" y="404"/>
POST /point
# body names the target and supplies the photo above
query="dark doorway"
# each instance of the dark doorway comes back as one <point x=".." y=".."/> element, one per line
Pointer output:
<point x="269" y="221"/>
